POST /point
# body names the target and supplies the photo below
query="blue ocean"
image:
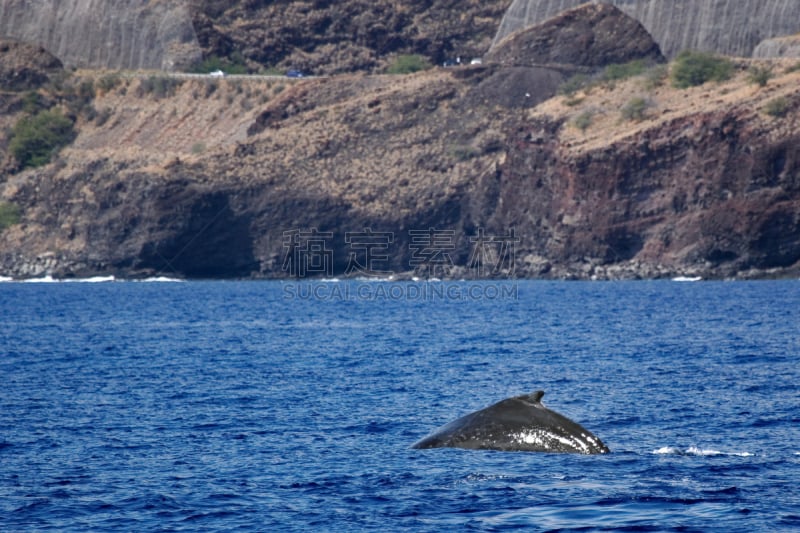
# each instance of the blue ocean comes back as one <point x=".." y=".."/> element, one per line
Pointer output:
<point x="276" y="406"/>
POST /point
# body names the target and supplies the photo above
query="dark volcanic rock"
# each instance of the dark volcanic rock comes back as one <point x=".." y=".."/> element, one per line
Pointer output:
<point x="591" y="35"/>
<point x="326" y="37"/>
<point x="518" y="87"/>
<point x="24" y="66"/>
<point x="536" y="61"/>
<point x="728" y="27"/>
<point x="707" y="184"/>
<point x="708" y="194"/>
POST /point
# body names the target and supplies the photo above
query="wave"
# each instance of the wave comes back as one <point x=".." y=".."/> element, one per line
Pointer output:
<point x="95" y="279"/>
<point x="694" y="451"/>
<point x="45" y="279"/>
<point x="51" y="279"/>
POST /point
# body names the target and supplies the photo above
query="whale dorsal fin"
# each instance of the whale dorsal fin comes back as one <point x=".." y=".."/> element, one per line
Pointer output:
<point x="535" y="397"/>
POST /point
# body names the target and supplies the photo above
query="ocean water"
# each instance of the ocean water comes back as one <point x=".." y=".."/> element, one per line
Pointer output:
<point x="267" y="406"/>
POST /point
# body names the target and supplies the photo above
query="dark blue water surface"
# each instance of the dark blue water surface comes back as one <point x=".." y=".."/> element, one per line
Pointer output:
<point x="257" y="406"/>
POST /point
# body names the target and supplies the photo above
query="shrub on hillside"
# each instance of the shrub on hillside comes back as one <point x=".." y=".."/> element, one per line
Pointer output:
<point x="583" y="121"/>
<point x="655" y="76"/>
<point x="696" y="68"/>
<point x="623" y="71"/>
<point x="32" y="102"/>
<point x="635" y="109"/>
<point x="9" y="215"/>
<point x="235" y="64"/>
<point x="408" y="63"/>
<point x="158" y="86"/>
<point x="35" y="139"/>
<point x="109" y="82"/>
<point x="760" y="75"/>
<point x="777" y="107"/>
<point x="573" y="84"/>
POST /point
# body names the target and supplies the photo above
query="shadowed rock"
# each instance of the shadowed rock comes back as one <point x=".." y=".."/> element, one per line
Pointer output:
<point x="532" y="64"/>
<point x="732" y="27"/>
<point x="105" y="34"/>
<point x="592" y="35"/>
<point x="24" y="67"/>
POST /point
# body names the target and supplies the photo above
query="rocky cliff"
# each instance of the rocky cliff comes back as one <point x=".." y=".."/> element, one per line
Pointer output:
<point x="778" y="47"/>
<point x="233" y="178"/>
<point x="344" y="36"/>
<point x="730" y="27"/>
<point x="590" y="36"/>
<point x="150" y="34"/>
<point x="321" y="37"/>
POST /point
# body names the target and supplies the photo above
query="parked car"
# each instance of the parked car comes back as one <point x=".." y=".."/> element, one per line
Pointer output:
<point x="217" y="74"/>
<point x="295" y="74"/>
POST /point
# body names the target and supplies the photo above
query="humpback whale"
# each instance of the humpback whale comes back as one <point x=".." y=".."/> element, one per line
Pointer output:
<point x="521" y="423"/>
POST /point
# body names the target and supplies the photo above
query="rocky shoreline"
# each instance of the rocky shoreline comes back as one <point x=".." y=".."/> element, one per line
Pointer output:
<point x="478" y="171"/>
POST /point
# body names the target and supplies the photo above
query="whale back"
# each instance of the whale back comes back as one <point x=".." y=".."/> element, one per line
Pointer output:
<point x="521" y="423"/>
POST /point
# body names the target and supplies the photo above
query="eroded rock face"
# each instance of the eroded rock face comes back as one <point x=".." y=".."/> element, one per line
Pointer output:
<point x="536" y="61"/>
<point x="731" y="27"/>
<point x="116" y="34"/>
<point x="24" y="67"/>
<point x="705" y="194"/>
<point x="778" y="47"/>
<point x="714" y="193"/>
<point x="327" y="37"/>
<point x="707" y="185"/>
<point x="591" y="35"/>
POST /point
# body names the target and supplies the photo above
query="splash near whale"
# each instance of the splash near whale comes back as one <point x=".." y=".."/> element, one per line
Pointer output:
<point x="521" y="423"/>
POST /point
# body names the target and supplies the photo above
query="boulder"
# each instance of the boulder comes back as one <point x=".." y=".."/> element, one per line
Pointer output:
<point x="24" y="67"/>
<point x="730" y="27"/>
<point x="778" y="47"/>
<point x="591" y="35"/>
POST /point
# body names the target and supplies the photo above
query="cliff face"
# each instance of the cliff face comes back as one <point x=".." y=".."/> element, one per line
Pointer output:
<point x="25" y="67"/>
<point x="778" y="47"/>
<point x="218" y="177"/>
<point x="710" y="190"/>
<point x="731" y="27"/>
<point x="351" y="35"/>
<point x="344" y="36"/>
<point x="591" y="36"/>
<point x="149" y="34"/>
<point x="322" y="37"/>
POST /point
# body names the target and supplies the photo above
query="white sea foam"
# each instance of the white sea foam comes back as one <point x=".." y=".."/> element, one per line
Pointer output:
<point x="694" y="451"/>
<point x="687" y="278"/>
<point x="45" y="279"/>
<point x="160" y="279"/>
<point x="51" y="279"/>
<point x="4" y="279"/>
<point x="95" y="279"/>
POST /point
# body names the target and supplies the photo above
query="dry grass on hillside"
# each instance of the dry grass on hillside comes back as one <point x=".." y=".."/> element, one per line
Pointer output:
<point x="603" y="106"/>
<point x="196" y="116"/>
